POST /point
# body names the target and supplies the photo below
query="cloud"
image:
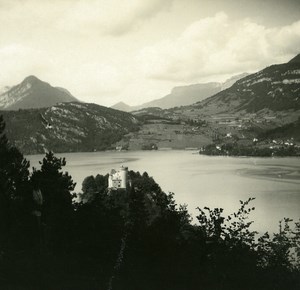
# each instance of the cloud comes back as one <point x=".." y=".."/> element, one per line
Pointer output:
<point x="83" y="78"/>
<point x="17" y="60"/>
<point x="99" y="78"/>
<point x="215" y="46"/>
<point x="133" y="50"/>
<point x="78" y="17"/>
<point x="110" y="17"/>
<point x="285" y="40"/>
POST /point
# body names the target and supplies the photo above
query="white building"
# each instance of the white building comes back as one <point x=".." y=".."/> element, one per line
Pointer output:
<point x="118" y="179"/>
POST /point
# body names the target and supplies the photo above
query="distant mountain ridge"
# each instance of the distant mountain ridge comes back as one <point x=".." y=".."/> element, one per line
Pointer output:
<point x="183" y="95"/>
<point x="33" y="93"/>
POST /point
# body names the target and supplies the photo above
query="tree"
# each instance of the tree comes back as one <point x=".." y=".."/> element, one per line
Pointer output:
<point x="93" y="187"/>
<point x="229" y="246"/>
<point x="14" y="188"/>
<point x="57" y="210"/>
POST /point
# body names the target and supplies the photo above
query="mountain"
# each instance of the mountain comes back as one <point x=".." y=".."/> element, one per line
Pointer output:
<point x="4" y="89"/>
<point x="33" y="93"/>
<point x="122" y="107"/>
<point x="183" y="95"/>
<point x="228" y="83"/>
<point x="262" y="105"/>
<point x="275" y="88"/>
<point x="187" y="95"/>
<point x="67" y="127"/>
<point x="296" y="59"/>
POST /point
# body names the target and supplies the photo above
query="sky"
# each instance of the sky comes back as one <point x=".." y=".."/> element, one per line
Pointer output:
<point x="106" y="51"/>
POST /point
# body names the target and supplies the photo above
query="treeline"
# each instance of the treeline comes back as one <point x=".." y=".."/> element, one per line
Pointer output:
<point x="283" y="132"/>
<point x="235" y="149"/>
<point x="128" y="239"/>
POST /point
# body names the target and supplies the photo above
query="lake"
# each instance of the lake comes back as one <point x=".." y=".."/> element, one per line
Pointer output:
<point x="199" y="180"/>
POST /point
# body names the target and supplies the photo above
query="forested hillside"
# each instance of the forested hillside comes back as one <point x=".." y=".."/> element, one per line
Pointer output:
<point x="67" y="127"/>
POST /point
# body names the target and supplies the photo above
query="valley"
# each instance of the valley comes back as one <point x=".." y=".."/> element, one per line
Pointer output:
<point x="247" y="109"/>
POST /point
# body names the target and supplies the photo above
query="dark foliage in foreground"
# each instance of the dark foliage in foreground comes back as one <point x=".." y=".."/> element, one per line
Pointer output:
<point x="132" y="239"/>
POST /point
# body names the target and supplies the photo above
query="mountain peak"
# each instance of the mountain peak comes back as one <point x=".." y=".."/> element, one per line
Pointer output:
<point x="33" y="93"/>
<point x="296" y="59"/>
<point x="121" y="103"/>
<point x="31" y="79"/>
<point x="122" y="107"/>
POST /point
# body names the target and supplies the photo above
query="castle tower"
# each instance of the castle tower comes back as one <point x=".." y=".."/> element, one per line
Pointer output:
<point x="118" y="179"/>
<point x="123" y="176"/>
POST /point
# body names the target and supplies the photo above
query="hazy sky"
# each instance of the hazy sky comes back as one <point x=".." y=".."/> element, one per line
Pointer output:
<point x="105" y="51"/>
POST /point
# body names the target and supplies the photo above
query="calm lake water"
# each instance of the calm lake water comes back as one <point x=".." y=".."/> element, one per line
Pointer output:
<point x="200" y="181"/>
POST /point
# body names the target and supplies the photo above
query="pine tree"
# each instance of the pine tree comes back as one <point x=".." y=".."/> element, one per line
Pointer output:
<point x="56" y="187"/>
<point x="14" y="187"/>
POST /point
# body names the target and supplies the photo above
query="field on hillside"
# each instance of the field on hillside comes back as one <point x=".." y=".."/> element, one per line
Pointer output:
<point x="159" y="135"/>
